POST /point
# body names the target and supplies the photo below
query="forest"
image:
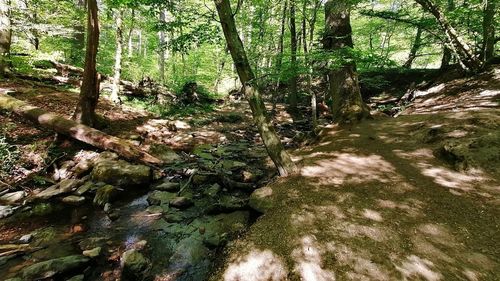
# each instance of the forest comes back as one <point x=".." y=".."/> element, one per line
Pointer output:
<point x="249" y="140"/>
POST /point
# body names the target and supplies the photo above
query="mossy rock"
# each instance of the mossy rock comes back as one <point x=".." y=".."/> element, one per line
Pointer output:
<point x="121" y="173"/>
<point x="105" y="195"/>
<point x="47" y="269"/>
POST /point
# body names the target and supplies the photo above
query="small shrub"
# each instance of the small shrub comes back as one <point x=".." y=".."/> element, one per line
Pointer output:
<point x="9" y="155"/>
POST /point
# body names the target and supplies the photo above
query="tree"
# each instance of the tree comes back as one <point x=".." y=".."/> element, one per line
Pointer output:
<point x="292" y="98"/>
<point x="414" y="48"/>
<point x="274" y="147"/>
<point x="468" y="61"/>
<point x="89" y="91"/>
<point x="5" y="37"/>
<point x="118" y="56"/>
<point x="347" y="105"/>
<point x="488" y="48"/>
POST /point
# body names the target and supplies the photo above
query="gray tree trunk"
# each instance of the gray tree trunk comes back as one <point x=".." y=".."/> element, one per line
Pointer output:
<point x="89" y="92"/>
<point x="118" y="57"/>
<point x="489" y="8"/>
<point x="414" y="48"/>
<point x="5" y="37"/>
<point x="274" y="147"/>
<point x="347" y="104"/>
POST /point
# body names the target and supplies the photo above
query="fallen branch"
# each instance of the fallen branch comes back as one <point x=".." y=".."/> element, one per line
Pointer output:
<point x="77" y="131"/>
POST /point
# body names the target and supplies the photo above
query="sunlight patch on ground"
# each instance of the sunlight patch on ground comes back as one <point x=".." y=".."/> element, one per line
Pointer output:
<point x="256" y="266"/>
<point x="309" y="261"/>
<point x="415" y="267"/>
<point x="342" y="168"/>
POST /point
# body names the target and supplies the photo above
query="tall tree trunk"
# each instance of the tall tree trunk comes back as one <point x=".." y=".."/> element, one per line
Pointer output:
<point x="488" y="29"/>
<point x="347" y="104"/>
<point x="414" y="48"/>
<point x="118" y="56"/>
<point x="161" y="53"/>
<point x="5" y="37"/>
<point x="274" y="147"/>
<point x="281" y="49"/>
<point x="468" y="61"/>
<point x="89" y="92"/>
<point x="292" y="82"/>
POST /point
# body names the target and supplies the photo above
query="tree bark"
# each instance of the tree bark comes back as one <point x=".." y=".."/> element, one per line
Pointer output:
<point x="5" y="37"/>
<point x="77" y="131"/>
<point x="414" y="49"/>
<point x="281" y="49"/>
<point x="488" y="29"/>
<point x="292" y="98"/>
<point x="118" y="57"/>
<point x="468" y="61"/>
<point x="347" y="104"/>
<point x="89" y="92"/>
<point x="274" y="147"/>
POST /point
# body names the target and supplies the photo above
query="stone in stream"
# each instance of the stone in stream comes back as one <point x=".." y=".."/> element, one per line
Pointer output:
<point x="215" y="229"/>
<point x="213" y="190"/>
<point x="228" y="203"/>
<point x="77" y="278"/>
<point x="65" y="186"/>
<point x="92" y="253"/>
<point x="160" y="197"/>
<point x="74" y="200"/>
<point x="84" y="188"/>
<point x="181" y="202"/>
<point x="190" y="257"/>
<point x="155" y="209"/>
<point x="121" y="173"/>
<point x="135" y="265"/>
<point x="164" y="153"/>
<point x="13" y="197"/>
<point x="168" y="186"/>
<point x="6" y="211"/>
<point x="25" y="239"/>
<point x="47" y="269"/>
<point x="105" y="194"/>
<point x="261" y="199"/>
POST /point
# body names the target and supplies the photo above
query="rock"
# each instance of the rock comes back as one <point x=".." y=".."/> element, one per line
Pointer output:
<point x="77" y="278"/>
<point x="83" y="167"/>
<point x="74" y="200"/>
<point x="93" y="253"/>
<point x="105" y="194"/>
<point x="121" y="173"/>
<point x="13" y="197"/>
<point x="25" y="239"/>
<point x="213" y="190"/>
<point x="217" y="228"/>
<point x="92" y="243"/>
<point x="65" y="186"/>
<point x="42" y="209"/>
<point x="160" y="197"/>
<point x="114" y="215"/>
<point x="190" y="255"/>
<point x="107" y="207"/>
<point x="168" y="186"/>
<point x="181" y="202"/>
<point x="135" y="265"/>
<point x="232" y="165"/>
<point x="204" y="178"/>
<point x="47" y="269"/>
<point x="155" y="210"/>
<point x="84" y="188"/>
<point x="261" y="199"/>
<point x="165" y="153"/>
<point x="228" y="203"/>
<point x="174" y="217"/>
<point x="251" y="176"/>
<point x="6" y="211"/>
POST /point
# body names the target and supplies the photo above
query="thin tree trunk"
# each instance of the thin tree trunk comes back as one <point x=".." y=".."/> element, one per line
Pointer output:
<point x="292" y="98"/>
<point x="77" y="131"/>
<point x="161" y="53"/>
<point x="460" y="48"/>
<point x="89" y="92"/>
<point x="274" y="147"/>
<point x="118" y="56"/>
<point x="279" y="57"/>
<point x="414" y="49"/>
<point x="347" y="106"/>
<point x="5" y="37"/>
<point x="488" y="29"/>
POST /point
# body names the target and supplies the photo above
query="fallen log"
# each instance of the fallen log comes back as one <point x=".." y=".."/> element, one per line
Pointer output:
<point x="77" y="131"/>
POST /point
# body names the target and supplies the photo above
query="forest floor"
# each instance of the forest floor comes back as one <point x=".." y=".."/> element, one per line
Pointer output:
<point x="415" y="197"/>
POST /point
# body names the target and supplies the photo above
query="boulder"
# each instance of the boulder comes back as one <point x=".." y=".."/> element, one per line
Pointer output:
<point x="168" y="186"/>
<point x="181" y="202"/>
<point x="65" y="186"/>
<point x="135" y="265"/>
<point x="84" y="188"/>
<point x="213" y="190"/>
<point x="47" y="269"/>
<point x="190" y="255"/>
<point x="74" y="200"/>
<point x="215" y="229"/>
<point x="93" y="253"/>
<point x="160" y="197"/>
<point x="164" y="153"/>
<point x="13" y="197"/>
<point x="261" y="199"/>
<point x="6" y="211"/>
<point x="105" y="194"/>
<point x="121" y="173"/>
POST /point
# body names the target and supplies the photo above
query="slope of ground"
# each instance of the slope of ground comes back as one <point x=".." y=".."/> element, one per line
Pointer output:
<point x="386" y="200"/>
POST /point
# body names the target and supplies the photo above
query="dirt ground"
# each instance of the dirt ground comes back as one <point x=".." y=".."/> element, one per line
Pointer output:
<point x="381" y="201"/>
